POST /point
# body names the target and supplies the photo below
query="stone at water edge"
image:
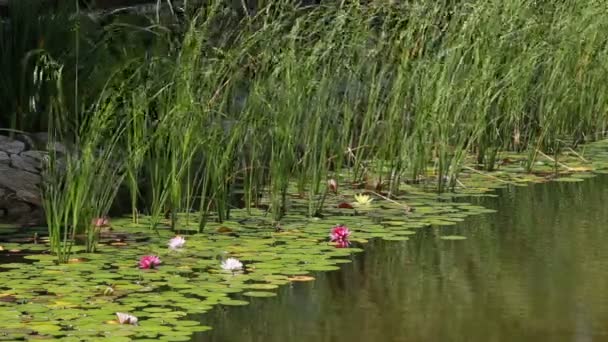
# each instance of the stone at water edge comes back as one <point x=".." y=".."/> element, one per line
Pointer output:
<point x="20" y="178"/>
<point x="24" y="163"/>
<point x="15" y="179"/>
<point x="44" y="143"/>
<point x="37" y="155"/>
<point x="5" y="158"/>
<point x="11" y="146"/>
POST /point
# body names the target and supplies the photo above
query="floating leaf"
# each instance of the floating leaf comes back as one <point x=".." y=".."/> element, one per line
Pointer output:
<point x="259" y="294"/>
<point x="233" y="302"/>
<point x="453" y="237"/>
<point x="301" y="278"/>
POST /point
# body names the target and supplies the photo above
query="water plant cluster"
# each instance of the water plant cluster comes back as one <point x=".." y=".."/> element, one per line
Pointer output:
<point x="157" y="286"/>
<point x="258" y="130"/>
<point x="221" y="105"/>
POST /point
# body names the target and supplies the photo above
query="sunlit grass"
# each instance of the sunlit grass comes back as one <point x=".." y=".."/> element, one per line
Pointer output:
<point x="288" y="94"/>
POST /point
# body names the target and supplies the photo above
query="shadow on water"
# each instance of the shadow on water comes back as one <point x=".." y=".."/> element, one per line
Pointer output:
<point x="10" y="239"/>
<point x="535" y="271"/>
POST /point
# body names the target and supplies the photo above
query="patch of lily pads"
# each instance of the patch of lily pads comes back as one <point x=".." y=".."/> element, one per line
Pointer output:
<point x="157" y="283"/>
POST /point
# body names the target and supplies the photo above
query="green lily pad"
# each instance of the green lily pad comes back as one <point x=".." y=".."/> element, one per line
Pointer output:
<point x="233" y="302"/>
<point x="453" y="237"/>
<point x="259" y="294"/>
<point x="395" y="238"/>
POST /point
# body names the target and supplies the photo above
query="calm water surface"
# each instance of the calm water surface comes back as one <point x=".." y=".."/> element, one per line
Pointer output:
<point x="535" y="271"/>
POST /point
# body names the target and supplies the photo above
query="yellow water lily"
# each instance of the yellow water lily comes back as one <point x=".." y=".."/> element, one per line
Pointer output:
<point x="362" y="199"/>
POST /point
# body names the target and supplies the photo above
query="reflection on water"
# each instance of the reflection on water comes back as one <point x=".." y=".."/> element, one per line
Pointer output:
<point x="535" y="271"/>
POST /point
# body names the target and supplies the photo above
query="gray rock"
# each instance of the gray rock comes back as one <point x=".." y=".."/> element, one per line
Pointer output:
<point x="12" y="146"/>
<point x="26" y="139"/>
<point x="41" y="138"/>
<point x="4" y="158"/>
<point x="21" y="182"/>
<point x="18" y="209"/>
<point x="25" y="163"/>
<point x="22" y="160"/>
<point x="38" y="155"/>
<point x="34" y="197"/>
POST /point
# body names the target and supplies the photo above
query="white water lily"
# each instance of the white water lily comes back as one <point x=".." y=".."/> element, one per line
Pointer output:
<point x="125" y="318"/>
<point x="177" y="242"/>
<point x="232" y="264"/>
<point x="362" y="199"/>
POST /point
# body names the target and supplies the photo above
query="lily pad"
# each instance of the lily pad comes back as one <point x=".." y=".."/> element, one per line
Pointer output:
<point x="259" y="294"/>
<point x="453" y="237"/>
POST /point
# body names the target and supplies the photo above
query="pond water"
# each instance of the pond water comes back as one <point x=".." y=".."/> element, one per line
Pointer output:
<point x="535" y="271"/>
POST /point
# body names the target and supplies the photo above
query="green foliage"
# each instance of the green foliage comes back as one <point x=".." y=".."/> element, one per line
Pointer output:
<point x="228" y="103"/>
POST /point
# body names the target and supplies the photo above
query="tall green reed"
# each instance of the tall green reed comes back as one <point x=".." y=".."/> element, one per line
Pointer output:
<point x="393" y="92"/>
<point x="80" y="185"/>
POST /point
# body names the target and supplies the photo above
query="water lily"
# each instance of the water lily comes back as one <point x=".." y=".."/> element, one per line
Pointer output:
<point x="362" y="199"/>
<point x="177" y="242"/>
<point x="339" y="234"/>
<point x="149" y="261"/>
<point x="99" y="222"/>
<point x="232" y="264"/>
<point x="332" y="185"/>
<point x="342" y="244"/>
<point x="125" y="318"/>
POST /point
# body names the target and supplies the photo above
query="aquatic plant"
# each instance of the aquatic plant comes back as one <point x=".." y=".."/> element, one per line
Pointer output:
<point x="231" y="264"/>
<point x="101" y="222"/>
<point x="149" y="262"/>
<point x="125" y="318"/>
<point x="108" y="291"/>
<point x="177" y="242"/>
<point x="362" y="199"/>
<point x="191" y="284"/>
<point x="339" y="235"/>
<point x="80" y="185"/>
<point x="332" y="185"/>
<point x="226" y="111"/>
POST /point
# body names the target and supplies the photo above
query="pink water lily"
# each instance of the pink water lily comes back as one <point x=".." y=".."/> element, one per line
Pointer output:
<point x="177" y="242"/>
<point x="342" y="244"/>
<point x="339" y="234"/>
<point x="149" y="261"/>
<point x="99" y="222"/>
<point x="332" y="185"/>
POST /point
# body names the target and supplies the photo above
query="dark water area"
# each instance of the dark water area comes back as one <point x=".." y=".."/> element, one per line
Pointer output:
<point x="535" y="271"/>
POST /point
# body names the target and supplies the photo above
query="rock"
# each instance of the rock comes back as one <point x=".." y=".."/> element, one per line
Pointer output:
<point x="27" y="140"/>
<point x="21" y="173"/>
<point x="11" y="146"/>
<point x="38" y="155"/>
<point x="21" y="182"/>
<point x="4" y="158"/>
<point x="29" y="196"/>
<point x="18" y="209"/>
<point x="40" y="138"/>
<point x="25" y="163"/>
<point x="34" y="218"/>
<point x="11" y="207"/>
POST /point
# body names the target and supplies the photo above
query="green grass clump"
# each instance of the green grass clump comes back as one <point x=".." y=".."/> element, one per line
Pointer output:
<point x="230" y="101"/>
